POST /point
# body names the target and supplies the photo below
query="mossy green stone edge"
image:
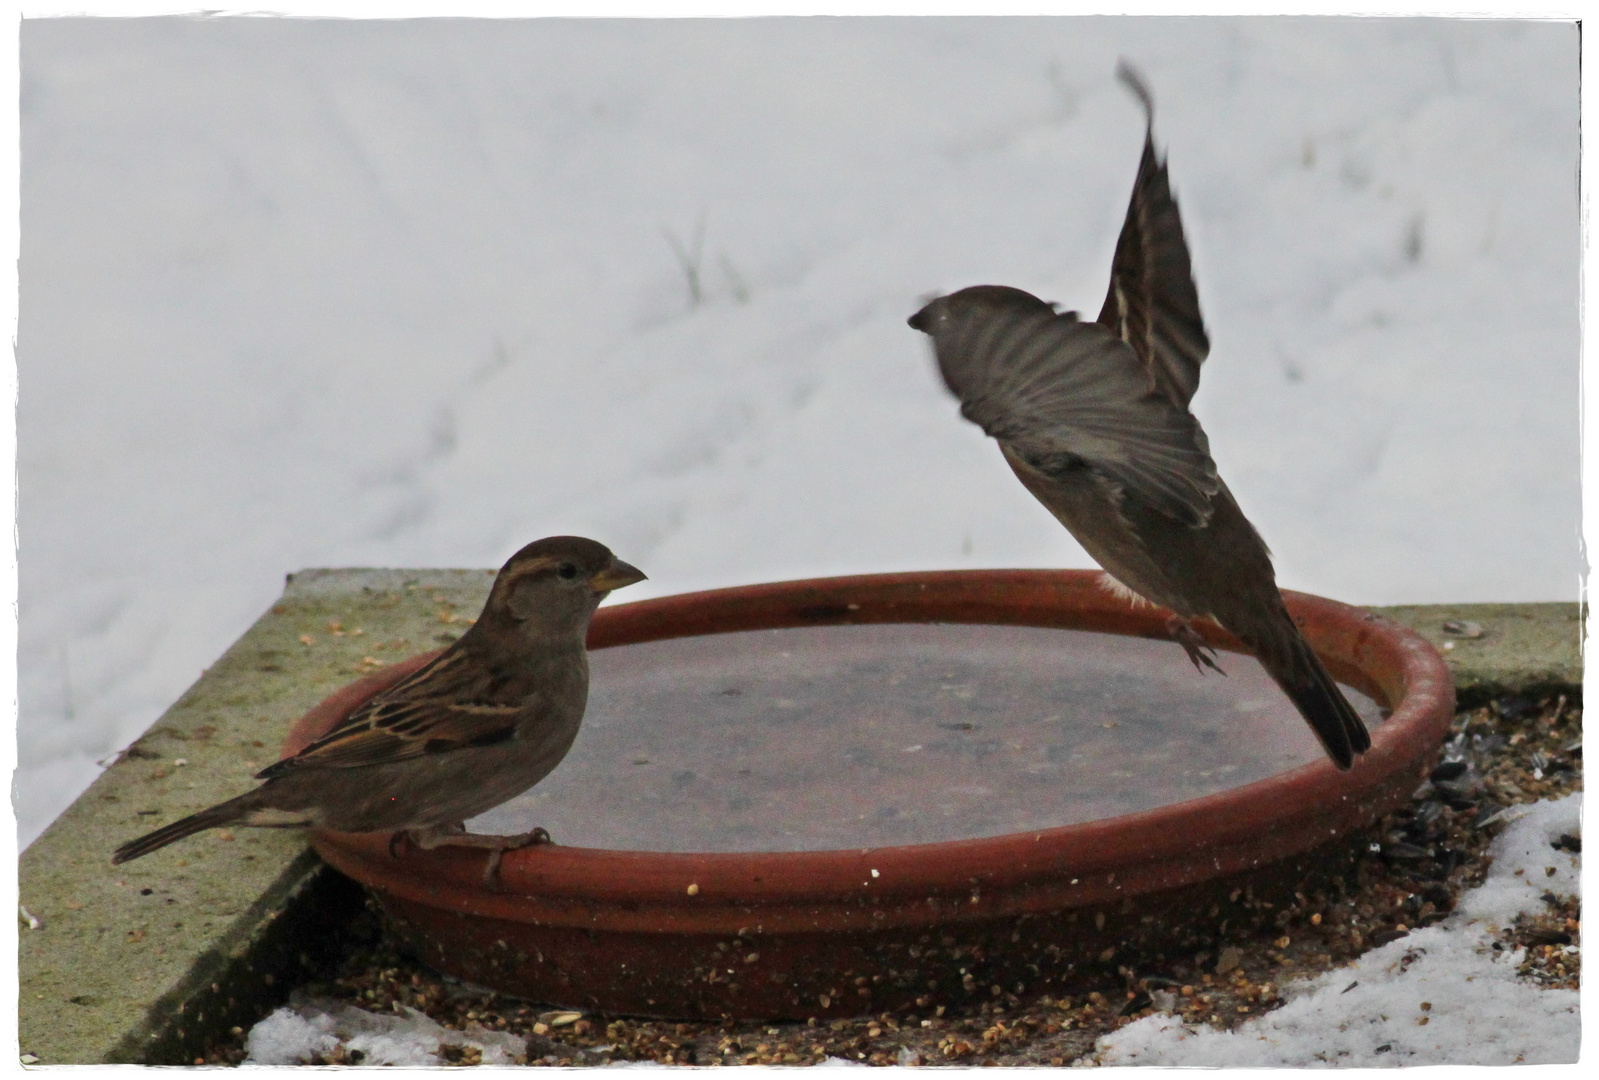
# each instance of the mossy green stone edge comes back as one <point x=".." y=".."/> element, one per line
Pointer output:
<point x="1526" y="649"/>
<point x="148" y="961"/>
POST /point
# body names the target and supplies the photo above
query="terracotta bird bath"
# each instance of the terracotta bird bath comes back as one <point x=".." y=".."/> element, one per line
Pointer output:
<point x="829" y="797"/>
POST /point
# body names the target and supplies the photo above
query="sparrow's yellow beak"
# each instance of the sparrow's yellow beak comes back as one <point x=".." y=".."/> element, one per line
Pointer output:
<point x="616" y="576"/>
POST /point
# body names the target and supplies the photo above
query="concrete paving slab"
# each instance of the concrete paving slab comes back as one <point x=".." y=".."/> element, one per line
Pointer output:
<point x="140" y="962"/>
<point x="1495" y="649"/>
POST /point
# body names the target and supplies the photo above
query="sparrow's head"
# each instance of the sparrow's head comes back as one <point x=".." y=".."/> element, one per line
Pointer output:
<point x="957" y="310"/>
<point x="964" y="327"/>
<point x="552" y="586"/>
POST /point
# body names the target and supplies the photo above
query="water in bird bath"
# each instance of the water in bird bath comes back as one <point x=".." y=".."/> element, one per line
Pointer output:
<point x="837" y="737"/>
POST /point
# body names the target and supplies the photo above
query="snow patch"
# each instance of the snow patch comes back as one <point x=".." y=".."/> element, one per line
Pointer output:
<point x="1369" y="1014"/>
<point x="294" y="1034"/>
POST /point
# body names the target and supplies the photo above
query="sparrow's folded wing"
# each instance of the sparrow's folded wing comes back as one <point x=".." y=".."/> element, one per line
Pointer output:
<point x="1062" y="393"/>
<point x="1152" y="303"/>
<point x="439" y="708"/>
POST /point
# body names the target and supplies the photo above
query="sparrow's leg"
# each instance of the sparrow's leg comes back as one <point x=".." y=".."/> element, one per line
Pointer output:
<point x="455" y="835"/>
<point x="1202" y="655"/>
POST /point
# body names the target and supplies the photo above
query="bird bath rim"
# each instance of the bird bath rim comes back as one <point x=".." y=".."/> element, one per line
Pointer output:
<point x="1064" y="867"/>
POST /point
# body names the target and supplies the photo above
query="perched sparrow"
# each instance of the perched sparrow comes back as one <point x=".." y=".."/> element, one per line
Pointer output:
<point x="479" y="725"/>
<point x="1094" y="420"/>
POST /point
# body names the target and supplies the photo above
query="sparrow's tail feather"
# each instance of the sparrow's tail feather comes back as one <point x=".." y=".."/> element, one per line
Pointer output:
<point x="1303" y="677"/>
<point x="222" y="814"/>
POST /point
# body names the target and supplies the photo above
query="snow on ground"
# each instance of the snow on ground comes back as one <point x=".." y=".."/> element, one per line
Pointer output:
<point x="1371" y="1014"/>
<point x="314" y="293"/>
<point x="294" y="1035"/>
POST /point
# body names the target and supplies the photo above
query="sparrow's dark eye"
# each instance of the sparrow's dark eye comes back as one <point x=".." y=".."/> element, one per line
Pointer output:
<point x="567" y="570"/>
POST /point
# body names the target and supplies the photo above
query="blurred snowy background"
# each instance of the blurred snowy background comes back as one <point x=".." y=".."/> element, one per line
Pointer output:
<point x="312" y="293"/>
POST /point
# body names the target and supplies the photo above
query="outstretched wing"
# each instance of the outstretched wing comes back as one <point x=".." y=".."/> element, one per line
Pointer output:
<point x="1152" y="304"/>
<point x="1062" y="393"/>
<point x="443" y="706"/>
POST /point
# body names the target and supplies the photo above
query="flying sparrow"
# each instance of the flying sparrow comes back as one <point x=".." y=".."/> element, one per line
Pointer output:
<point x="485" y="721"/>
<point x="1093" y="418"/>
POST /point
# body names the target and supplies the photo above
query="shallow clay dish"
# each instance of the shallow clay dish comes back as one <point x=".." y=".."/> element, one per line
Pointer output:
<point x="829" y="797"/>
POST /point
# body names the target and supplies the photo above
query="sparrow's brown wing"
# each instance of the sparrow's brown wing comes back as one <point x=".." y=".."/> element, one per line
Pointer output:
<point x="1062" y="394"/>
<point x="449" y="704"/>
<point x="1152" y="304"/>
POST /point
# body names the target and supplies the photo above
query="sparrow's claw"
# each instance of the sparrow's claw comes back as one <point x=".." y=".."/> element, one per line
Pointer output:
<point x="1201" y="654"/>
<point x="491" y="869"/>
<point x="455" y="835"/>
